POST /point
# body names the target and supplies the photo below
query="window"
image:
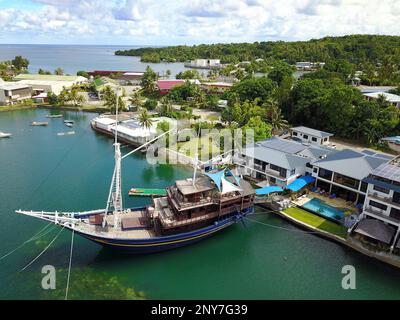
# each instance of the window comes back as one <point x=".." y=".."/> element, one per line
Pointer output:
<point x="364" y="186"/>
<point x="326" y="174"/>
<point x="295" y="134"/>
<point x="309" y="165"/>
<point x="305" y="136"/>
<point x="282" y="171"/>
<point x="395" y="213"/>
<point x="377" y="205"/>
<point x="292" y="172"/>
<point x="314" y="139"/>
<point x="396" y="197"/>
<point x="380" y="189"/>
<point x="315" y="170"/>
<point x="346" y="181"/>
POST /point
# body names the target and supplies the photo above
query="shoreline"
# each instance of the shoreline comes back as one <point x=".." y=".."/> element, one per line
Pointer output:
<point x="50" y="107"/>
<point x="348" y="242"/>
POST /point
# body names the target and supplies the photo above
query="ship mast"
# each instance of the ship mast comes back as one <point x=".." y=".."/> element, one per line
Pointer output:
<point x="114" y="202"/>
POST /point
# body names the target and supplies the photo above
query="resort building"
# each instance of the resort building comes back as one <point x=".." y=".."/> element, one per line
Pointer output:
<point x="14" y="92"/>
<point x="164" y="86"/>
<point x="380" y="219"/>
<point x="342" y="172"/>
<point x="279" y="161"/>
<point x="309" y="135"/>
<point x="393" y="99"/>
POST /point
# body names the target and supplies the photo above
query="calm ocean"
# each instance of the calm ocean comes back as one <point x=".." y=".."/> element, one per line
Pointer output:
<point x="72" y="58"/>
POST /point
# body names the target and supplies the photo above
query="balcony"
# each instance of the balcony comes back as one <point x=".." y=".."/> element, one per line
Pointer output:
<point x="379" y="215"/>
<point x="380" y="197"/>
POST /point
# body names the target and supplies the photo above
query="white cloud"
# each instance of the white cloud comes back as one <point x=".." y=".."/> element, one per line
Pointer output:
<point x="174" y="21"/>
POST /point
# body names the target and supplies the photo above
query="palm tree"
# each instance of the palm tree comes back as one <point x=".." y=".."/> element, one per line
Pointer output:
<point x="145" y="120"/>
<point x="275" y="118"/>
<point x="136" y="99"/>
<point x="166" y="106"/>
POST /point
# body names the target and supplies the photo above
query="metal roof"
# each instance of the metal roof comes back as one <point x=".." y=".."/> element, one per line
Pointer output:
<point x="312" y="132"/>
<point x="376" y="229"/>
<point x="350" y="163"/>
<point x="393" y="98"/>
<point x="388" y="171"/>
<point x="29" y="76"/>
<point x="283" y="145"/>
<point x="13" y="86"/>
<point x="278" y="158"/>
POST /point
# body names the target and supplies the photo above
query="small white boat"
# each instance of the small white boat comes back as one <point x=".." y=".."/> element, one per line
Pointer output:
<point x="5" y="135"/>
<point x="38" y="123"/>
<point x="68" y="124"/>
<point x="69" y="121"/>
<point x="54" y="116"/>
<point x="66" y="133"/>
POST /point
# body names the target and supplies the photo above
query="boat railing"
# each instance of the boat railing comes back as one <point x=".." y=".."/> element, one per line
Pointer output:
<point x="176" y="223"/>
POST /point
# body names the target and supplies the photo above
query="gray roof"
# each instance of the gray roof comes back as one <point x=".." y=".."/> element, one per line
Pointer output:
<point x="376" y="229"/>
<point x="315" y="153"/>
<point x="312" y="132"/>
<point x="388" y="171"/>
<point x="350" y="163"/>
<point x="287" y="146"/>
<point x="278" y="158"/>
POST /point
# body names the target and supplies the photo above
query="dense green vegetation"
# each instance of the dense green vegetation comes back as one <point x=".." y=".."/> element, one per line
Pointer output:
<point x="10" y="68"/>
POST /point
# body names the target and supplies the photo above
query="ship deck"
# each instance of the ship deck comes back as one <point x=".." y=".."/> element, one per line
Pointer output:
<point x="111" y="233"/>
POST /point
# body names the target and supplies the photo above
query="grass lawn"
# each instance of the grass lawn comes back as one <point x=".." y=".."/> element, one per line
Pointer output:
<point x="316" y="221"/>
<point x="205" y="147"/>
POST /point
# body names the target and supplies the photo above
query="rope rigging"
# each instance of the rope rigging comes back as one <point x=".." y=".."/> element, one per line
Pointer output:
<point x="43" y="251"/>
<point x="34" y="237"/>
<point x="70" y="263"/>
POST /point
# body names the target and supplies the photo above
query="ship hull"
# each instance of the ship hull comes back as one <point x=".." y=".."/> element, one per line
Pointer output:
<point x="163" y="243"/>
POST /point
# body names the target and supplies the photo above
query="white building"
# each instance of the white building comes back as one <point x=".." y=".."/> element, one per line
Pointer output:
<point x="204" y="63"/>
<point x="380" y="219"/>
<point x="309" y="135"/>
<point x="14" y="92"/>
<point x="279" y="161"/>
<point x="393" y="99"/>
<point x="45" y="86"/>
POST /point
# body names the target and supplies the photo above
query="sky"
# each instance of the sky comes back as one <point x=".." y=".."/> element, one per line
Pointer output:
<point x="171" y="22"/>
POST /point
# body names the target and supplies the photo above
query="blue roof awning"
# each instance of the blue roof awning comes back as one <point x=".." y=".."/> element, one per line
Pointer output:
<point x="268" y="190"/>
<point x="299" y="183"/>
<point x="217" y="178"/>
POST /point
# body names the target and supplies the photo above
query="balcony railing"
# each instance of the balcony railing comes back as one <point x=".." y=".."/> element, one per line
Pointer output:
<point x="380" y="197"/>
<point x="378" y="214"/>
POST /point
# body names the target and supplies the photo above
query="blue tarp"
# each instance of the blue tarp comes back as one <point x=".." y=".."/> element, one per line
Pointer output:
<point x="299" y="183"/>
<point x="268" y="190"/>
<point x="217" y="177"/>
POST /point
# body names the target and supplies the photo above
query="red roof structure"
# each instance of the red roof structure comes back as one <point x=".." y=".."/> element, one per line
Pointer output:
<point x="166" y="85"/>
